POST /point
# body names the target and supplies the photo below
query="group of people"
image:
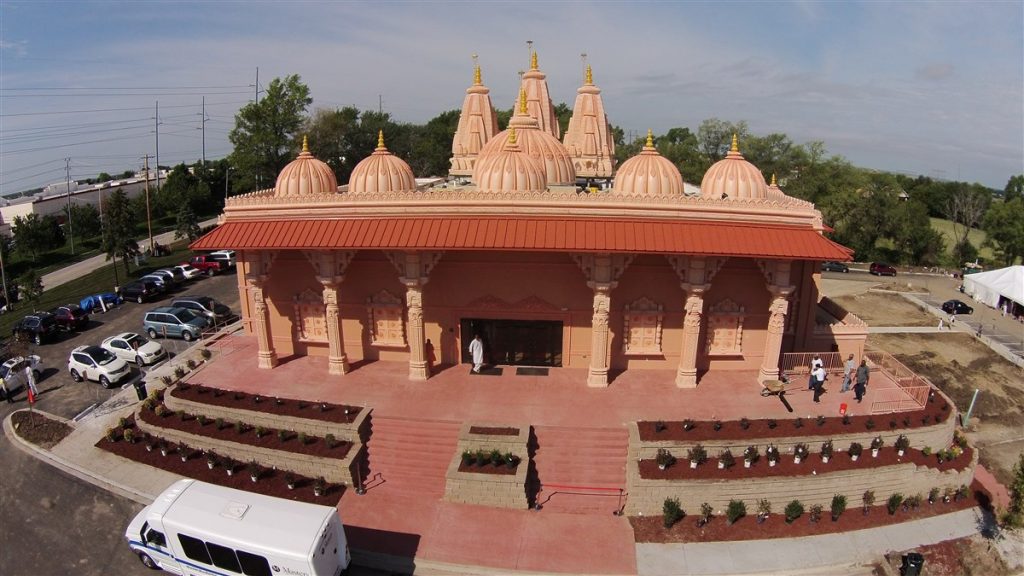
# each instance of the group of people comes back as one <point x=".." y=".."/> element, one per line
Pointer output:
<point x="853" y="374"/>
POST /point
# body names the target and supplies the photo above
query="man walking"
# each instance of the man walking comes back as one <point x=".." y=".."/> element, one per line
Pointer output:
<point x="30" y="379"/>
<point x="476" y="348"/>
<point x="815" y="364"/>
<point x="819" y="381"/>
<point x="8" y="394"/>
<point x="863" y="374"/>
<point x="848" y="369"/>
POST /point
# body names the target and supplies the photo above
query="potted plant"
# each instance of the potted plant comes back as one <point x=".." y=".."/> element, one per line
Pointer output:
<point x="855" y="450"/>
<point x="706" y="511"/>
<point x="800" y="453"/>
<point x="229" y="465"/>
<point x="876" y="445"/>
<point x="319" y="486"/>
<point x="933" y="495"/>
<point x="688" y="425"/>
<point x="211" y="460"/>
<point x="289" y="480"/>
<point x="901" y="444"/>
<point x="764" y="509"/>
<point x="734" y="511"/>
<point x="772" y="454"/>
<point x="184" y="452"/>
<point x="254" y="470"/>
<point x="511" y="460"/>
<point x="750" y="455"/>
<point x="744" y="423"/>
<point x="697" y="455"/>
<point x="815" y="513"/>
<point x="496" y="458"/>
<point x="664" y="458"/>
<point x="725" y="459"/>
<point x="826" y="451"/>
<point x="868" y="499"/>
<point x="838" y="506"/>
<point x="659" y="426"/>
<point x="468" y="458"/>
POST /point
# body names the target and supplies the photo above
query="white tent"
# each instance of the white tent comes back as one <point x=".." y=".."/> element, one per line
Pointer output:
<point x="987" y="287"/>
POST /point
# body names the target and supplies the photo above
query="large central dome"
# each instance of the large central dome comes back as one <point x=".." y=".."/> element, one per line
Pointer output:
<point x="509" y="169"/>
<point x="544" y="148"/>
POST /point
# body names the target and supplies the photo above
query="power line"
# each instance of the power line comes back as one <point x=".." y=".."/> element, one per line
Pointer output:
<point x="13" y="152"/>
<point x="131" y="88"/>
<point x="115" y="94"/>
<point x="118" y="109"/>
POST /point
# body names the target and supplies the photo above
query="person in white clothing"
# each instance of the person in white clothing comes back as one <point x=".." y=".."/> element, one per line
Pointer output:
<point x="476" y="348"/>
<point x="30" y="379"/>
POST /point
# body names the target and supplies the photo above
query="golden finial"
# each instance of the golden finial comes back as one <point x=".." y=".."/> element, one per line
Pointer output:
<point x="476" y="76"/>
<point x="380" y="139"/>
<point x="773" y="178"/>
<point x="735" y="144"/>
<point x="590" y="75"/>
<point x="522" y="100"/>
<point x="512" y="135"/>
<point x="533" y="61"/>
<point x="650" y="138"/>
<point x="305" y="143"/>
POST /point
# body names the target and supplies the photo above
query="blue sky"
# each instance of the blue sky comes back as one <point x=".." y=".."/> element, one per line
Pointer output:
<point x="933" y="88"/>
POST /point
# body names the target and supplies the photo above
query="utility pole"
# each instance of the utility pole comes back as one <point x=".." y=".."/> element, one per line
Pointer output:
<point x="380" y="103"/>
<point x="71" y="227"/>
<point x="257" y="84"/>
<point x="156" y="122"/>
<point x="149" y="220"/>
<point x="204" y="132"/>
<point x="3" y="274"/>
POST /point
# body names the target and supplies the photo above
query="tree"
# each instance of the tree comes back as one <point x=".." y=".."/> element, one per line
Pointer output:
<point x="1004" y="227"/>
<point x="715" y="137"/>
<point x="964" y="208"/>
<point x="265" y="132"/>
<point x="103" y="177"/>
<point x="1014" y="188"/>
<point x="119" y="231"/>
<point x="1014" y="515"/>
<point x="183" y="187"/>
<point x="186" y="224"/>
<point x="35" y="234"/>
<point x="31" y="285"/>
<point x="85" y="221"/>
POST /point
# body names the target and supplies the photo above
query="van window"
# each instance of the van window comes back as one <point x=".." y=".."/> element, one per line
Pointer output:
<point x="223" y="557"/>
<point x="253" y="565"/>
<point x="194" y="548"/>
<point x="156" y="538"/>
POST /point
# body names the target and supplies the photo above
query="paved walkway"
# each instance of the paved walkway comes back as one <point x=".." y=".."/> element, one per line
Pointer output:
<point x="78" y="269"/>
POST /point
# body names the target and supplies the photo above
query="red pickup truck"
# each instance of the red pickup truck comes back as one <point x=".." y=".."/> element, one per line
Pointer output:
<point x="207" y="265"/>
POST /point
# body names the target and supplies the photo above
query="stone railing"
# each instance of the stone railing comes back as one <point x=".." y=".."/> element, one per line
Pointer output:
<point x="500" y="490"/>
<point x="841" y="314"/>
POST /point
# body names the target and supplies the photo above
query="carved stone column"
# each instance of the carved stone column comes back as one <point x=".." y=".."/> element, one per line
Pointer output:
<point x="337" y="361"/>
<point x="417" y="339"/>
<point x="266" y="357"/>
<point x="693" y="319"/>
<point x="598" y="374"/>
<point x="776" y="325"/>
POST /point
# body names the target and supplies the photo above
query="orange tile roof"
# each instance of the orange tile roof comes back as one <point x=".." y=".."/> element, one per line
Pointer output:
<point x="527" y="233"/>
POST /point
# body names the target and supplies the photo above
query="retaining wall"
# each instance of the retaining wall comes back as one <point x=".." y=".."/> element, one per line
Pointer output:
<point x="503" y="491"/>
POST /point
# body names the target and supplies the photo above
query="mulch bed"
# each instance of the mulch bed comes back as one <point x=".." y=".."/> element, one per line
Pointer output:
<point x="786" y="467"/>
<point x="314" y="446"/>
<point x="499" y="470"/>
<point x="491" y="431"/>
<point x="270" y="482"/>
<point x="256" y="402"/>
<point x="38" y="429"/>
<point x="937" y="410"/>
<point x="651" y="528"/>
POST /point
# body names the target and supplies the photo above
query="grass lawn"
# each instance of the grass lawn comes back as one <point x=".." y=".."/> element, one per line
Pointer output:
<point x="945" y="227"/>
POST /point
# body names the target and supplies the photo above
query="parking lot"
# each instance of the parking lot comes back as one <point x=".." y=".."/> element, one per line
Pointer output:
<point x="61" y="395"/>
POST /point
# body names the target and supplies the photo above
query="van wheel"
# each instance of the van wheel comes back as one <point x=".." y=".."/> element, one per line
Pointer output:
<point x="152" y="334"/>
<point x="147" y="561"/>
<point x="139" y="299"/>
<point x="105" y="382"/>
<point x="187" y="336"/>
<point x="75" y="375"/>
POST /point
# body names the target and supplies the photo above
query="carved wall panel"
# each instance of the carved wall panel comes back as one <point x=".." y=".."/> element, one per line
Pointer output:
<point x="386" y="323"/>
<point x="643" y="323"/>
<point x="725" y="329"/>
<point x="310" y="317"/>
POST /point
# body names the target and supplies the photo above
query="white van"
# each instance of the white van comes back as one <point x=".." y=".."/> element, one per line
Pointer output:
<point x="194" y="528"/>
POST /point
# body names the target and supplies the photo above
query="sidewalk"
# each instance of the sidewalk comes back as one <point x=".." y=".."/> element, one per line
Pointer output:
<point x="78" y="269"/>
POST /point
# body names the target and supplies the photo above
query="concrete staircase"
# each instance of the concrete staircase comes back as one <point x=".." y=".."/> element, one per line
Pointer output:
<point x="410" y="456"/>
<point x="581" y="457"/>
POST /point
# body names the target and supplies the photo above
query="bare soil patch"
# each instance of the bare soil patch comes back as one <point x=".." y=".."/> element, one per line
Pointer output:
<point x="652" y="529"/>
<point x="961" y="557"/>
<point x="492" y="431"/>
<point x="500" y="470"/>
<point x="38" y="429"/>
<point x="880" y="309"/>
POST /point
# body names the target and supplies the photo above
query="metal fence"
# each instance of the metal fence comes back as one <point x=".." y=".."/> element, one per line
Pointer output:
<point x="912" y="389"/>
<point x="797" y="363"/>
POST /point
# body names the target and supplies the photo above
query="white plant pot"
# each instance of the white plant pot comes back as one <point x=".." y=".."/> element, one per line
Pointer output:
<point x="253" y="478"/>
<point x="721" y="464"/>
<point x="854" y="457"/>
<point x="771" y="462"/>
<point x="796" y="460"/>
<point x="693" y="463"/>
<point x="825" y="459"/>
<point x="661" y="466"/>
<point x="899" y="453"/>
<point x="746" y="463"/>
<point x="230" y="472"/>
<point x="210" y="464"/>
<point x="874" y="452"/>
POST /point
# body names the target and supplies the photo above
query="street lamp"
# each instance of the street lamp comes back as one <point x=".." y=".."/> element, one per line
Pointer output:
<point x="227" y="182"/>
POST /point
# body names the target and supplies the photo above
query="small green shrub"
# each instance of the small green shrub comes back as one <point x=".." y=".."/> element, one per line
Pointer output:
<point x="191" y="364"/>
<point x="113" y="434"/>
<point x="330" y="440"/>
<point x="727" y="459"/>
<point x="868" y="499"/>
<point x="933" y="495"/>
<point x="838" y="506"/>
<point x="706" y="511"/>
<point x="260" y="431"/>
<point x="737" y="509"/>
<point x="468" y="457"/>
<point x="793" y="511"/>
<point x="664" y="458"/>
<point x="671" y="512"/>
<point x="697" y="454"/>
<point x="815" y="513"/>
<point x="303" y="438"/>
<point x="496" y="457"/>
<point x="240" y="427"/>
<point x="893" y="503"/>
<point x="282" y="435"/>
<point x="205" y="353"/>
<point x="129" y="435"/>
<point x="179" y="372"/>
<point x="660" y="427"/>
<point x="161" y="411"/>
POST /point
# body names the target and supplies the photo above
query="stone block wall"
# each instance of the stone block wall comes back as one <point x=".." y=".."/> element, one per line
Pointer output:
<point x="648" y="496"/>
<point x="503" y="491"/>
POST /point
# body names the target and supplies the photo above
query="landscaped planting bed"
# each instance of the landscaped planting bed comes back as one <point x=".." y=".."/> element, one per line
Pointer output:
<point x="489" y="467"/>
<point x="493" y="431"/>
<point x="323" y="411"/>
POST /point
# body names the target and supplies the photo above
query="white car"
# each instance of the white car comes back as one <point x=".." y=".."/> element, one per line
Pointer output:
<point x="131" y="347"/>
<point x="226" y="256"/>
<point x="190" y="272"/>
<point x="95" y="363"/>
<point x="13" y="371"/>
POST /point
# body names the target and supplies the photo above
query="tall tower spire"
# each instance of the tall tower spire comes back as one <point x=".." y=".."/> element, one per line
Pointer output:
<point x="477" y="124"/>
<point x="588" y="138"/>
<point x="539" y="99"/>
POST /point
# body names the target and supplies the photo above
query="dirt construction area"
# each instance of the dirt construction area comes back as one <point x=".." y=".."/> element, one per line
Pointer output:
<point x="957" y="363"/>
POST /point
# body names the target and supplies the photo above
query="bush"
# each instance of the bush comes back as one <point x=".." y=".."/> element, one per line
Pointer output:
<point x="838" y="506"/>
<point x="688" y="425"/>
<point x="706" y="511"/>
<point x="282" y="435"/>
<point x="846" y="419"/>
<point x="671" y="512"/>
<point x="870" y="424"/>
<point x="129" y="435"/>
<point x="205" y="353"/>
<point x="868" y="499"/>
<point x="798" y="423"/>
<point x="893" y="503"/>
<point x="826" y="449"/>
<point x="751" y="453"/>
<point x="821" y="420"/>
<point x="933" y="495"/>
<point x="179" y="372"/>
<point x="764" y="508"/>
<point x="726" y="458"/>
<point x="260" y="431"/>
<point x="496" y="458"/>
<point x="190" y="363"/>
<point x="468" y="457"/>
<point x="913" y="502"/>
<point x="330" y="440"/>
<point x="665" y="458"/>
<point x="744" y="423"/>
<point x="240" y="427"/>
<point x="794" y="510"/>
<point x="855" y="449"/>
<point x="113" y="433"/>
<point x="697" y="454"/>
<point x="659" y="427"/>
<point x="161" y="411"/>
<point x="737" y="509"/>
<point x="815" y="513"/>
<point x="481" y="457"/>
<point x="772" y="423"/>
<point x="303" y="438"/>
<point x="717" y="425"/>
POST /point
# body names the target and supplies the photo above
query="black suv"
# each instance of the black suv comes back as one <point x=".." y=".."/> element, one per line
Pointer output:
<point x="140" y="290"/>
<point x="70" y="317"/>
<point x="38" y="327"/>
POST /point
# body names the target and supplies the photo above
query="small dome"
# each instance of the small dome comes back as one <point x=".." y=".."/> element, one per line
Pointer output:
<point x="306" y="175"/>
<point x="381" y="171"/>
<point x="509" y="170"/>
<point x="774" y="191"/>
<point x="648" y="173"/>
<point x="733" y="177"/>
<point x="544" y="148"/>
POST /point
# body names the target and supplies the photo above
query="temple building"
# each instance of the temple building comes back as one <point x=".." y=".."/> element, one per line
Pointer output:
<point x="647" y="275"/>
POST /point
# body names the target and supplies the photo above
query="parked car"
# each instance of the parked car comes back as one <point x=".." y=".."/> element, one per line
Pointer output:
<point x="956" y="307"/>
<point x="70" y="317"/>
<point x="170" y="321"/>
<point x="139" y="291"/>
<point x="882" y="269"/>
<point x="834" y="267"/>
<point x="227" y="256"/>
<point x="189" y="272"/>
<point x="170" y="279"/>
<point x="207" y="265"/>
<point x="160" y="281"/>
<point x="95" y="363"/>
<point x="92" y="303"/>
<point x="38" y="327"/>
<point x="177" y="275"/>
<point x="204" y="306"/>
<point x="13" y="372"/>
<point x="131" y="347"/>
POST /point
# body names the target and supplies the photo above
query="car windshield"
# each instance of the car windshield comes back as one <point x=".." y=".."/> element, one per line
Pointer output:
<point x="101" y="356"/>
<point x="135" y="341"/>
<point x="186" y="316"/>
